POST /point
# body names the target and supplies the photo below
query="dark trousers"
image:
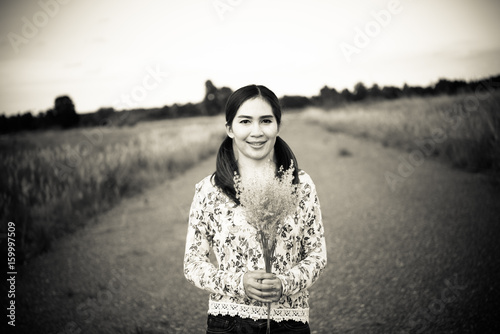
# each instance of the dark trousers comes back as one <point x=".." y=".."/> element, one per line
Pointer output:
<point x="218" y="324"/>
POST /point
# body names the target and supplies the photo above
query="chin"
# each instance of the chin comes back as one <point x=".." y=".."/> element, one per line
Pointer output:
<point x="261" y="156"/>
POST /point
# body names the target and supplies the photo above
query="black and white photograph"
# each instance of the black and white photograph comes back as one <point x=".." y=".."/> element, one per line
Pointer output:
<point x="237" y="166"/>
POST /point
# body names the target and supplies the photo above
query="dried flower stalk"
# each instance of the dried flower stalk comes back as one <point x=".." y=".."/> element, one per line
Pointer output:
<point x="267" y="200"/>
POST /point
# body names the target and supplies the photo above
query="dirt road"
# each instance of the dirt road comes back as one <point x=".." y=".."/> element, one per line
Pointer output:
<point x="420" y="259"/>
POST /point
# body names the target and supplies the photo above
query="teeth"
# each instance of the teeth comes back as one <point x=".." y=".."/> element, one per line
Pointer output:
<point x="257" y="144"/>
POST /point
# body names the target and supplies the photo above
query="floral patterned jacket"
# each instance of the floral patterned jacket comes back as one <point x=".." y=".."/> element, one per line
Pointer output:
<point x="216" y="223"/>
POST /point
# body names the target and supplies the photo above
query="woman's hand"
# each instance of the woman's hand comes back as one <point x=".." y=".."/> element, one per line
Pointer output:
<point x="261" y="286"/>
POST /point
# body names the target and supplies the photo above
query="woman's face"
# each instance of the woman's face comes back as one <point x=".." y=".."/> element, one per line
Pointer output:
<point x="254" y="130"/>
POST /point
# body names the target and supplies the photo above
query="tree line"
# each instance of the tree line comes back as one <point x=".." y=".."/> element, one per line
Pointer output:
<point x="330" y="97"/>
<point x="64" y="116"/>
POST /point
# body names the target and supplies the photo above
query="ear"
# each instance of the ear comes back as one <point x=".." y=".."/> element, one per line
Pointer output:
<point x="229" y="131"/>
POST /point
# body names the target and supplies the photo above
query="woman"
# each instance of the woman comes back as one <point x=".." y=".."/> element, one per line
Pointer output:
<point x="240" y="288"/>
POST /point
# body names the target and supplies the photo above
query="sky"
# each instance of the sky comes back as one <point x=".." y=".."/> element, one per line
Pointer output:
<point x="150" y="53"/>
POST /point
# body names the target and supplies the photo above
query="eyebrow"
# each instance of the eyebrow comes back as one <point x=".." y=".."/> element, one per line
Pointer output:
<point x="261" y="117"/>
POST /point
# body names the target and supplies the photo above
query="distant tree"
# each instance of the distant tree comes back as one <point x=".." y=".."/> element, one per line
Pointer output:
<point x="486" y="84"/>
<point x="215" y="99"/>
<point x="444" y="86"/>
<point x="18" y="122"/>
<point x="423" y="91"/>
<point x="223" y="95"/>
<point x="211" y="104"/>
<point x="168" y="112"/>
<point x="374" y="92"/>
<point x="291" y="102"/>
<point x="48" y="119"/>
<point x="360" y="92"/>
<point x="390" y="92"/>
<point x="187" y="110"/>
<point x="4" y="124"/>
<point x="329" y="97"/>
<point x="346" y="95"/>
<point x="410" y="91"/>
<point x="105" y="116"/>
<point x="105" y="112"/>
<point x="406" y="91"/>
<point x="64" y="112"/>
<point x="27" y="121"/>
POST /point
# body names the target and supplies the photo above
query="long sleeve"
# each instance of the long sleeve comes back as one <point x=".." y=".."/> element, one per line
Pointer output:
<point x="197" y="266"/>
<point x="313" y="246"/>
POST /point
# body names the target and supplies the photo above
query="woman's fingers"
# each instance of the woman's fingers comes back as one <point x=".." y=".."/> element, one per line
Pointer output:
<point x="262" y="296"/>
<point x="264" y="292"/>
<point x="262" y="286"/>
<point x="268" y="285"/>
<point x="259" y="274"/>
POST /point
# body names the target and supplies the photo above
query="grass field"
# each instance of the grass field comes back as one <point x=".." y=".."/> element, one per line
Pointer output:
<point x="53" y="181"/>
<point x="463" y="130"/>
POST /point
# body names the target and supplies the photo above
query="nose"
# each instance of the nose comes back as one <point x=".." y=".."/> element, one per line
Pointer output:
<point x="256" y="130"/>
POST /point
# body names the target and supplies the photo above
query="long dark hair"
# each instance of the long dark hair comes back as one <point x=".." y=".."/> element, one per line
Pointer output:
<point x="226" y="164"/>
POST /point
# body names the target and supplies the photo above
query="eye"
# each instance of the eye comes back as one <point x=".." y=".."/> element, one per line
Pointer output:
<point x="245" y="121"/>
<point x="267" y="121"/>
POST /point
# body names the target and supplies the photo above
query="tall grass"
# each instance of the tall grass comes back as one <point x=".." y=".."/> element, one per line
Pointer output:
<point x="463" y="130"/>
<point x="52" y="182"/>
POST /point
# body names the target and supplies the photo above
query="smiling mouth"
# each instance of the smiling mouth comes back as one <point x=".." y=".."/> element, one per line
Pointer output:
<point x="256" y="144"/>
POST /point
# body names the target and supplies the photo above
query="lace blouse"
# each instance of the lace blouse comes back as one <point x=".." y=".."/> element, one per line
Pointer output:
<point x="216" y="223"/>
